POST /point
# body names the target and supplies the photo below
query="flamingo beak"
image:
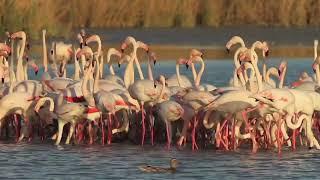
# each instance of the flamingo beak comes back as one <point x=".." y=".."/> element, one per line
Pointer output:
<point x="154" y="62"/>
<point x="228" y="50"/>
<point x="2" y="80"/>
<point x="51" y="51"/>
<point x="187" y="65"/>
<point x="154" y="84"/>
<point x="28" y="46"/>
<point x="266" y="54"/>
<point x="314" y="67"/>
<point x="81" y="45"/>
<point x="119" y="65"/>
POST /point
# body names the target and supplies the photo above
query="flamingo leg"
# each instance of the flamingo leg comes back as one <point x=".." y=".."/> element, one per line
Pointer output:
<point x="151" y="118"/>
<point x="194" y="142"/>
<point x="168" y="135"/>
<point x="294" y="134"/>
<point x="109" y="128"/>
<point x="17" y="126"/>
<point x="143" y="124"/>
<point x="72" y="127"/>
<point x="91" y="133"/>
<point x="103" y="132"/>
<point x="60" y="131"/>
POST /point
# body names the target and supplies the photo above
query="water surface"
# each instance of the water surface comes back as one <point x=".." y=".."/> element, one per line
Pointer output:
<point x="120" y="161"/>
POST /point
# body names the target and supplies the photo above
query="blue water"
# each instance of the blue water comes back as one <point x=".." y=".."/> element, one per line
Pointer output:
<point x="119" y="161"/>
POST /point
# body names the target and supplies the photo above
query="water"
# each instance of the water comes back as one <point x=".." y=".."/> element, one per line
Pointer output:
<point x="120" y="161"/>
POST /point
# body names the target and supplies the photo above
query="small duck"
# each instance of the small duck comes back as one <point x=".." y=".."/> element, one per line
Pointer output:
<point x="153" y="169"/>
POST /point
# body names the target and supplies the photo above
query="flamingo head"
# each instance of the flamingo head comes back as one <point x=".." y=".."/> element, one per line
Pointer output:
<point x="234" y="40"/>
<point x="265" y="49"/>
<point x="143" y="46"/>
<point x="34" y="66"/>
<point x="127" y="41"/>
<point x="125" y="58"/>
<point x="19" y="34"/>
<point x="195" y="52"/>
<point x="92" y="38"/>
<point x="153" y="57"/>
<point x="80" y="38"/>
<point x="282" y="67"/>
<point x="5" y="50"/>
<point x="315" y="64"/>
<point x="8" y="34"/>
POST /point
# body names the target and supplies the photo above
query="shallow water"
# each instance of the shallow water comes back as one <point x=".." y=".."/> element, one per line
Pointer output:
<point x="120" y="161"/>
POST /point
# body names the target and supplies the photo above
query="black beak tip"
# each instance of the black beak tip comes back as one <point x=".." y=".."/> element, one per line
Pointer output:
<point x="119" y="65"/>
<point x="122" y="50"/>
<point x="267" y="53"/>
<point x="51" y="52"/>
<point x="228" y="50"/>
<point x="36" y="72"/>
<point x="154" y="62"/>
<point x="81" y="45"/>
<point x="2" y="80"/>
<point x="187" y="66"/>
<point x="154" y="85"/>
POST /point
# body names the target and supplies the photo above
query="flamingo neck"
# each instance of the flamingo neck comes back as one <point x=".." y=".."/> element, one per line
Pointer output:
<point x="315" y="47"/>
<point x="101" y="67"/>
<point x="283" y="75"/>
<point x="194" y="73"/>
<point x="198" y="79"/>
<point x="25" y="70"/>
<point x="129" y="74"/>
<point x="178" y="75"/>
<point x="110" y="64"/>
<point x="138" y="66"/>
<point x="264" y="71"/>
<point x="150" y="74"/>
<point x="19" y="72"/>
<point x="163" y="83"/>
<point x="257" y="72"/>
<point x="44" y="48"/>
<point x="88" y="96"/>
<point x="96" y="78"/>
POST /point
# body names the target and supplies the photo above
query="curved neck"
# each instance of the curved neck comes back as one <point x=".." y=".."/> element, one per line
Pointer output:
<point x="282" y="76"/>
<point x="25" y="69"/>
<point x="76" y="68"/>
<point x="271" y="71"/>
<point x="178" y="75"/>
<point x="135" y="48"/>
<point x="194" y="73"/>
<point x="264" y="71"/>
<point x="138" y="65"/>
<point x="150" y="74"/>
<point x="163" y="83"/>
<point x="257" y="72"/>
<point x="315" y="50"/>
<point x="101" y="67"/>
<point x="44" y="48"/>
<point x="96" y="78"/>
<point x="110" y="64"/>
<point x="88" y="96"/>
<point x="128" y="77"/>
<point x="19" y="73"/>
<point x="198" y="79"/>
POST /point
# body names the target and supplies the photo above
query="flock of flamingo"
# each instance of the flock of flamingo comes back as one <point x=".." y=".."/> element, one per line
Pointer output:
<point x="256" y="109"/>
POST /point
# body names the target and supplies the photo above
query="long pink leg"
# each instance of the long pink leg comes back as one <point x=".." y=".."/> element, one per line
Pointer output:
<point x="103" y="131"/>
<point x="90" y="132"/>
<point x="294" y="139"/>
<point x="151" y="118"/>
<point x="143" y="124"/>
<point x="17" y="126"/>
<point x="168" y="135"/>
<point x="109" y="129"/>
<point x="194" y="142"/>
